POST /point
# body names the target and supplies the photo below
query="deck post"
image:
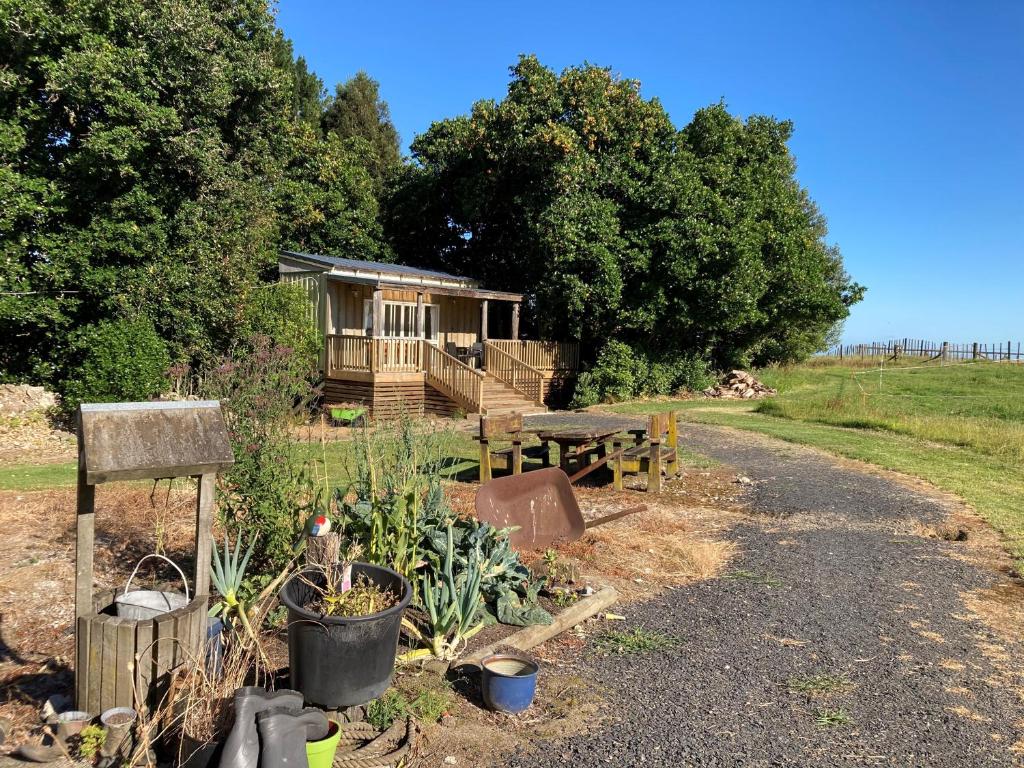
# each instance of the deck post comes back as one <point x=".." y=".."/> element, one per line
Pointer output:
<point x="483" y="320"/>
<point x="421" y="317"/>
<point x="378" y="313"/>
<point x="515" y="321"/>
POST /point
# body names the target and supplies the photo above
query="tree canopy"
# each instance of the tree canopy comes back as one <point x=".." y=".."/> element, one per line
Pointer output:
<point x="358" y="112"/>
<point x="153" y="159"/>
<point x="581" y="192"/>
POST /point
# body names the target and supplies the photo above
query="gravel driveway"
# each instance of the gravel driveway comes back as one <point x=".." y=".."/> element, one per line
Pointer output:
<point x="829" y="582"/>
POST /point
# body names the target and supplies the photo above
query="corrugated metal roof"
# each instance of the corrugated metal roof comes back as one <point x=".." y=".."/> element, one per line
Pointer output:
<point x="373" y="266"/>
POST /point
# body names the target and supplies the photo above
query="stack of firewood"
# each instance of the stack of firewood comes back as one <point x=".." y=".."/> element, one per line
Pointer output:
<point x="739" y="385"/>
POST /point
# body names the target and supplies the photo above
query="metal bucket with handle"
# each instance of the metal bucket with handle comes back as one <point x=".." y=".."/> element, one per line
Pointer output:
<point x="150" y="603"/>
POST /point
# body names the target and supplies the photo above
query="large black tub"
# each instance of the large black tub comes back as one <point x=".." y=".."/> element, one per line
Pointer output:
<point x="341" y="662"/>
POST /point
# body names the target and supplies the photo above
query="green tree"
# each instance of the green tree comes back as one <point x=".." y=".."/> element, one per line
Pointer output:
<point x="140" y="147"/>
<point x="357" y="111"/>
<point x="306" y="89"/>
<point x="580" y="192"/>
<point x="114" y="360"/>
<point x="326" y="199"/>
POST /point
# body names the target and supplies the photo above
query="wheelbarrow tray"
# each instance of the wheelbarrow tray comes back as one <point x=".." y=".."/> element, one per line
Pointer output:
<point x="541" y="504"/>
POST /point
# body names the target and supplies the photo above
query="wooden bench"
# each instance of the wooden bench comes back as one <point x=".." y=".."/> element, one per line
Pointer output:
<point x="653" y="448"/>
<point x="507" y="428"/>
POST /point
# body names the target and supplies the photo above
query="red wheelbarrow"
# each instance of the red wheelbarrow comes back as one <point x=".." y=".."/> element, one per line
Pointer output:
<point x="540" y="505"/>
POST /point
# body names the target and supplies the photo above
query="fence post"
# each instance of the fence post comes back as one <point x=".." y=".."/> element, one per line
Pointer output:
<point x="974" y="351"/>
<point x="945" y="350"/>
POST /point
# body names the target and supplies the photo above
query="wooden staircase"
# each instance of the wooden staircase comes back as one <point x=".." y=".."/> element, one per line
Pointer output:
<point x="500" y="398"/>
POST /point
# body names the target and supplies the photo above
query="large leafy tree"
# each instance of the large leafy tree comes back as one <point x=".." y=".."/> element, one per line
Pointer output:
<point x="140" y="144"/>
<point x="327" y="199"/>
<point x="358" y="112"/>
<point x="153" y="158"/>
<point x="577" y="190"/>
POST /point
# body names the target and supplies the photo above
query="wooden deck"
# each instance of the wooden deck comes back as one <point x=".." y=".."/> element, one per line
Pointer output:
<point x="389" y="374"/>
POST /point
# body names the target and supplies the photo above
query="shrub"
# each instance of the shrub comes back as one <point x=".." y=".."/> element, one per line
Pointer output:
<point x="265" y="495"/>
<point x="112" y="361"/>
<point x="281" y="312"/>
<point x="691" y="373"/>
<point x="622" y="372"/>
<point x="613" y="377"/>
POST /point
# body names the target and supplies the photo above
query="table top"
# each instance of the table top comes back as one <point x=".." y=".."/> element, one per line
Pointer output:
<point x="574" y="435"/>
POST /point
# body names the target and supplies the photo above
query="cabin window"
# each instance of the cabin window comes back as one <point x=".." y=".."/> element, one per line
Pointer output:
<point x="400" y="320"/>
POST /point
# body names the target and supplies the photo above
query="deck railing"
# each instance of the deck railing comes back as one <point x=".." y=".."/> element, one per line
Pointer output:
<point x="361" y="353"/>
<point x="396" y="355"/>
<point x="453" y="377"/>
<point x="545" y="356"/>
<point x="514" y="372"/>
<point x="347" y="353"/>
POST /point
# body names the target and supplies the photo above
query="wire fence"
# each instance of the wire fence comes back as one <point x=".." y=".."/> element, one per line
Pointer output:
<point x="894" y="349"/>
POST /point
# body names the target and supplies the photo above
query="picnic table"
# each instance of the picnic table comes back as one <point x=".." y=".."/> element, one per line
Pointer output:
<point x="577" y="444"/>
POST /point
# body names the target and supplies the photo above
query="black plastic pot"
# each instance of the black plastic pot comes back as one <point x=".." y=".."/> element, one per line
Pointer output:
<point x="198" y="754"/>
<point x="342" y="661"/>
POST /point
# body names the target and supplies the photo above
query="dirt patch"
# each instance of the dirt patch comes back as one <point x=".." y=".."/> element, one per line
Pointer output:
<point x="37" y="554"/>
<point x="679" y="539"/>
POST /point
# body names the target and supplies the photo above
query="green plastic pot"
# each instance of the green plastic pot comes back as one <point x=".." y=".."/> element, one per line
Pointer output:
<point x="320" y="754"/>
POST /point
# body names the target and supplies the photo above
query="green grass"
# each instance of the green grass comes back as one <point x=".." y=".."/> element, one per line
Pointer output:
<point x="340" y="456"/>
<point x="426" y="705"/>
<point x="830" y="718"/>
<point x="960" y="427"/>
<point x="979" y="406"/>
<point x="820" y="683"/>
<point x="36" y="477"/>
<point x="639" y="640"/>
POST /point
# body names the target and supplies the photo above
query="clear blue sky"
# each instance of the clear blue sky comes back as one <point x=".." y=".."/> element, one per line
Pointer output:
<point x="909" y="116"/>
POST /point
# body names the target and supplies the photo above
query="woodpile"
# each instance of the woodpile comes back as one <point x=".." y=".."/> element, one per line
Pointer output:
<point x="739" y="385"/>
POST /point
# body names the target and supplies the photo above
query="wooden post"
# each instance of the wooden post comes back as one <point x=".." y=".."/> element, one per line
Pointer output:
<point x="378" y="313"/>
<point x="617" y="465"/>
<point x="517" y="456"/>
<point x="421" y="317"/>
<point x="974" y="351"/>
<point x="483" y="320"/>
<point x="673" y="442"/>
<point x="204" y="519"/>
<point x="485" y="461"/>
<point x="945" y="350"/>
<point x="515" y="321"/>
<point x="85" y="536"/>
<point x="654" y="465"/>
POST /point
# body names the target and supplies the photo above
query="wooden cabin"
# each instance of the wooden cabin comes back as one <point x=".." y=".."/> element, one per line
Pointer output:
<point x="424" y="341"/>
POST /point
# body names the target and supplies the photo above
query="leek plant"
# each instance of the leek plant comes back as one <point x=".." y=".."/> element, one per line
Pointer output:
<point x="452" y="604"/>
<point x="228" y="579"/>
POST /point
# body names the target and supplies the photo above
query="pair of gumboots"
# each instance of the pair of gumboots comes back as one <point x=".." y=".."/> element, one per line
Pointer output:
<point x="274" y="730"/>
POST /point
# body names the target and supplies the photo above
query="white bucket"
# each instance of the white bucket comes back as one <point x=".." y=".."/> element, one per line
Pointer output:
<point x="150" y="603"/>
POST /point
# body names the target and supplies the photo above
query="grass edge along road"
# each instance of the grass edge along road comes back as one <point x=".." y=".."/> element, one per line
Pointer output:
<point x="992" y="486"/>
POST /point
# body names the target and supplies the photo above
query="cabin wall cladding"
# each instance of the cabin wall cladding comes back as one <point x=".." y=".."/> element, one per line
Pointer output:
<point x="459" y="317"/>
<point x="389" y="399"/>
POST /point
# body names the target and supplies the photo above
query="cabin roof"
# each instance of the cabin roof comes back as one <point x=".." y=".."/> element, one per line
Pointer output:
<point x="383" y="275"/>
<point x="373" y="267"/>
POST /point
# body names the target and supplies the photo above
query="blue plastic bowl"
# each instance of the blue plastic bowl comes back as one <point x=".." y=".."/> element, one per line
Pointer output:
<point x="508" y="682"/>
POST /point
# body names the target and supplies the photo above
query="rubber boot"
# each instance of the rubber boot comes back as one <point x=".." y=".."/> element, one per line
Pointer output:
<point x="284" y="733"/>
<point x="242" y="746"/>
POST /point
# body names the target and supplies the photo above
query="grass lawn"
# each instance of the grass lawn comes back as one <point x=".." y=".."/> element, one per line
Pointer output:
<point x="37" y="477"/>
<point x="462" y="450"/>
<point x="960" y="427"/>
